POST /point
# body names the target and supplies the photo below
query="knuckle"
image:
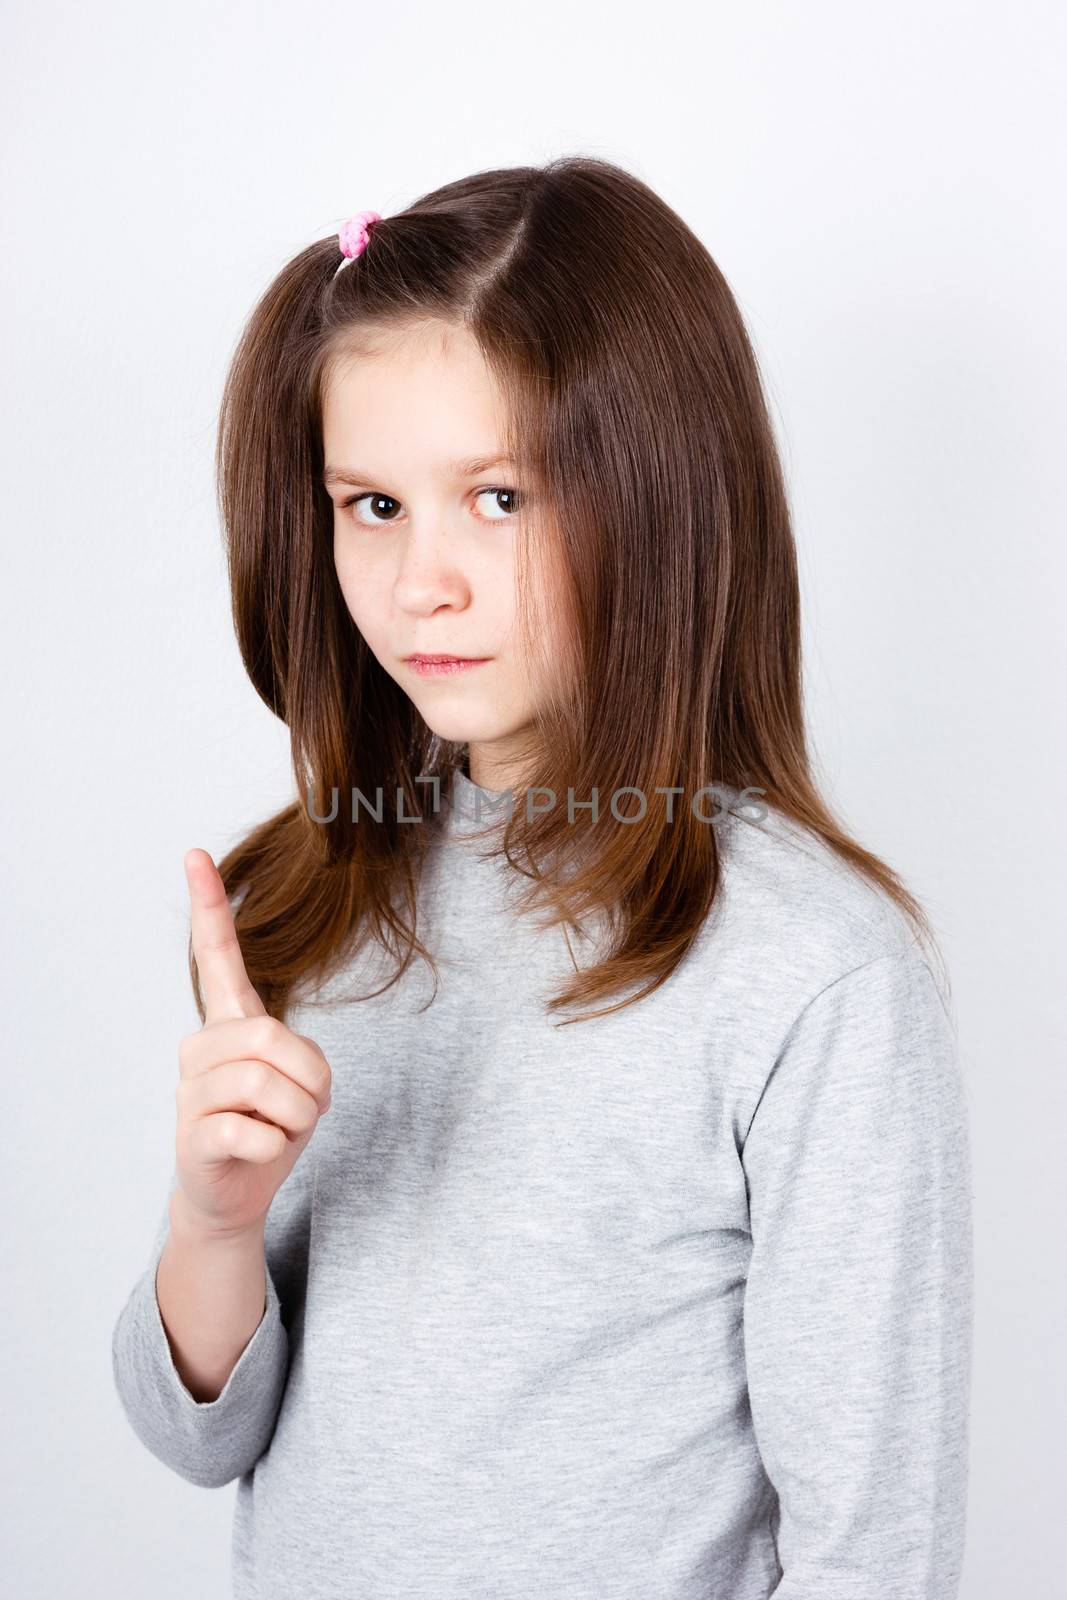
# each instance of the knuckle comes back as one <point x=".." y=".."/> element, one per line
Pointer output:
<point x="258" y="1077"/>
<point x="265" y="1033"/>
<point x="320" y="1075"/>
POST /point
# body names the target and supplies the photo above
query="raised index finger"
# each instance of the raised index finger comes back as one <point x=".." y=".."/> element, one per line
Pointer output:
<point x="227" y="989"/>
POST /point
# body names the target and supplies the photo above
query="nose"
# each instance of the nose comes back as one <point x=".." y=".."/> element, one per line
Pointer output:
<point x="429" y="576"/>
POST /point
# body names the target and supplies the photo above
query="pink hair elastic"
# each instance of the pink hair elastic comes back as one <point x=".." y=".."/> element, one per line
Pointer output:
<point x="355" y="234"/>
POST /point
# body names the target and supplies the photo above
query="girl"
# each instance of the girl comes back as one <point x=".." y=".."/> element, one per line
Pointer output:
<point x="572" y="1192"/>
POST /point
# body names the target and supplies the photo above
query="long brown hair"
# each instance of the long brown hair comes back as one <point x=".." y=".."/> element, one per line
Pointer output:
<point x="637" y="413"/>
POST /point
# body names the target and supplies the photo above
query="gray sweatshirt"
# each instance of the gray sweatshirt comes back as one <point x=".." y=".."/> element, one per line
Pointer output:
<point x="671" y="1305"/>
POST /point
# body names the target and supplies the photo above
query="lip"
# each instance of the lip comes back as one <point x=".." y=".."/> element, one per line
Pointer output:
<point x="440" y="666"/>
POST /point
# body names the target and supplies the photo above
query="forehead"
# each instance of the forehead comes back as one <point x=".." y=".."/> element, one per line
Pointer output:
<point x="428" y="383"/>
<point x="428" y="354"/>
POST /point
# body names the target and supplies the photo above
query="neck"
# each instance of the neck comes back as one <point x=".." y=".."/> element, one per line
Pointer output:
<point x="493" y="773"/>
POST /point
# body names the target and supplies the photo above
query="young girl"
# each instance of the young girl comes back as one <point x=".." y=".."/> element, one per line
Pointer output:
<point x="632" y="1257"/>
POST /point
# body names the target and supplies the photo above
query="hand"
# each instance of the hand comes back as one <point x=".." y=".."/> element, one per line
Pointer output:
<point x="250" y="1092"/>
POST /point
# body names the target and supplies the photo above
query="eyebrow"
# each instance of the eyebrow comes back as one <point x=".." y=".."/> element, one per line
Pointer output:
<point x="468" y="468"/>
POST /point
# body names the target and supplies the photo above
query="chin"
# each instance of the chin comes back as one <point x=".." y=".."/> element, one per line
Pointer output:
<point x="460" y="729"/>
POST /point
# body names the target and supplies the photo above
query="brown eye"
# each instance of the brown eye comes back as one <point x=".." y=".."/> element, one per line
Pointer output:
<point x="378" y="501"/>
<point x="382" y="508"/>
<point x="508" y="500"/>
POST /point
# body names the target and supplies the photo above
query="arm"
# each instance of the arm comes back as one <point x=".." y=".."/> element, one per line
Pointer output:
<point x="212" y="1297"/>
<point x="858" y="1305"/>
<point x="207" y="1441"/>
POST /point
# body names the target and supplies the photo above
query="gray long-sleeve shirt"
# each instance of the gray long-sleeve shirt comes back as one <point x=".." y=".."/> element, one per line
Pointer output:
<point x="675" y="1304"/>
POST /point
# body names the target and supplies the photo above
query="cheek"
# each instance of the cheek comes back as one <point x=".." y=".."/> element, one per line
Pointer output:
<point x="363" y="585"/>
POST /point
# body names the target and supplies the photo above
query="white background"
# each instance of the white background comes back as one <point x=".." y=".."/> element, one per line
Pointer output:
<point x="883" y="188"/>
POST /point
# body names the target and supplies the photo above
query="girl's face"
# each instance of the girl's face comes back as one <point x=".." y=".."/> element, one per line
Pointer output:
<point x="426" y="539"/>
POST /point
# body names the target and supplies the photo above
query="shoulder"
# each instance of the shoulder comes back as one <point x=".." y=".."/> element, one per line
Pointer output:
<point x="792" y="915"/>
<point x="803" y="960"/>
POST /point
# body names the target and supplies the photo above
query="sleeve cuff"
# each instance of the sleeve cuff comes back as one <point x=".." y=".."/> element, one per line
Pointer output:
<point x="208" y="1442"/>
